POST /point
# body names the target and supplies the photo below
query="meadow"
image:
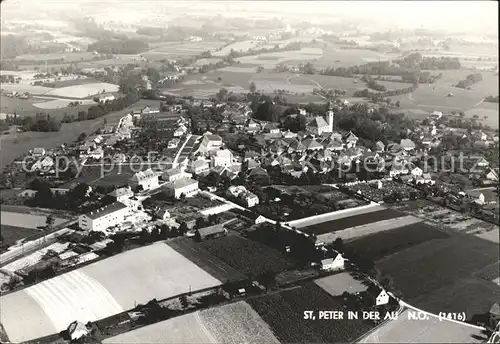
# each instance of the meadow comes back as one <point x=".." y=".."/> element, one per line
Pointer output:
<point x="68" y="57"/>
<point x="241" y="46"/>
<point x="182" y="49"/>
<point x="83" y="91"/>
<point x="26" y="220"/>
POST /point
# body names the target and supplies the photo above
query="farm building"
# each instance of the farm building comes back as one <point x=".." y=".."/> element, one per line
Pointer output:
<point x="198" y="166"/>
<point x="174" y="174"/>
<point x="210" y="142"/>
<point x="211" y="232"/>
<point x="147" y="179"/>
<point x="184" y="186"/>
<point x="103" y="218"/>
<point x="333" y="263"/>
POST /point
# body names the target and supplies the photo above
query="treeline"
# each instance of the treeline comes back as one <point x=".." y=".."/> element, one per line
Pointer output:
<point x="102" y="109"/>
<point x="376" y="97"/>
<point x="470" y="80"/>
<point x="124" y="46"/>
<point x="491" y="99"/>
<point x="373" y="84"/>
<point x="41" y="122"/>
<point x="416" y="60"/>
<point x="150" y="31"/>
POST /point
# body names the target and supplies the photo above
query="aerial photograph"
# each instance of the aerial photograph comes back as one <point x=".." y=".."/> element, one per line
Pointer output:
<point x="282" y="172"/>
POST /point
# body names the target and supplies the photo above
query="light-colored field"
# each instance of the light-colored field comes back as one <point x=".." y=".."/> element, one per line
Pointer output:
<point x="237" y="323"/>
<point x="237" y="46"/>
<point x="83" y="91"/>
<point x="77" y="56"/>
<point x="202" y="62"/>
<point x="102" y="289"/>
<point x="25" y="220"/>
<point x="336" y="285"/>
<point x="185" y="329"/>
<point x="233" y="323"/>
<point x="20" y="88"/>
<point x="269" y="60"/>
<point x="60" y="103"/>
<point x="363" y="230"/>
<point x="403" y="330"/>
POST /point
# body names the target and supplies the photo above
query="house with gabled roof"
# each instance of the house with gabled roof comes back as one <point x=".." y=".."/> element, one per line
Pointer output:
<point x="336" y="262"/>
<point x="317" y="126"/>
<point x="122" y="194"/>
<point x="379" y="146"/>
<point x="350" y="139"/>
<point x="147" y="179"/>
<point x="407" y="144"/>
<point x="311" y="144"/>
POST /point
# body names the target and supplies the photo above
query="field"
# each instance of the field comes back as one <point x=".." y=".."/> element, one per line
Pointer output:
<point x="233" y="323"/>
<point x="270" y="60"/>
<point x="353" y="221"/>
<point x="337" y="284"/>
<point x="490" y="273"/>
<point x="26" y="220"/>
<point x="241" y="46"/>
<point x="335" y="57"/>
<point x="447" y="266"/>
<point x="83" y="91"/>
<point x="284" y="312"/>
<point x="11" y="234"/>
<point x="68" y="57"/>
<point x="178" y="50"/>
<point x="100" y="290"/>
<point x="382" y="244"/>
<point x="405" y="330"/>
<point x="208" y="262"/>
<point x="246" y="256"/>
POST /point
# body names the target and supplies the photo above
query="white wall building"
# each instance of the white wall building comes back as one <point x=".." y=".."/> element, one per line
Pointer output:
<point x="147" y="179"/>
<point x="334" y="263"/>
<point x="103" y="218"/>
<point x="186" y="186"/>
<point x="222" y="157"/>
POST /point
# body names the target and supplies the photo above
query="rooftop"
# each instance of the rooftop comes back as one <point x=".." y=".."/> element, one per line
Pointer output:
<point x="106" y="210"/>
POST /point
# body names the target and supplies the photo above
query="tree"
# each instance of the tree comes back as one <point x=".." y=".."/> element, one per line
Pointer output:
<point x="252" y="87"/>
<point x="49" y="222"/>
<point x="222" y="94"/>
<point x="200" y="222"/>
<point x="183" y="228"/>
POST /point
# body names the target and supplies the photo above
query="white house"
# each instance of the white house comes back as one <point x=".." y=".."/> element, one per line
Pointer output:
<point x="210" y="142"/>
<point x="250" y="199"/>
<point x="43" y="164"/>
<point x="482" y="162"/>
<point x="333" y="263"/>
<point x="382" y="298"/>
<point x="122" y="194"/>
<point x="186" y="186"/>
<point x="222" y="157"/>
<point x="96" y="154"/>
<point x="106" y="97"/>
<point x="260" y="219"/>
<point x="147" y="179"/>
<point x="181" y="130"/>
<point x="197" y="166"/>
<point x="407" y="144"/>
<point x="174" y="174"/>
<point x="397" y="169"/>
<point x="38" y="152"/>
<point x="425" y="179"/>
<point x="236" y="191"/>
<point x="103" y="218"/>
<point x="174" y="143"/>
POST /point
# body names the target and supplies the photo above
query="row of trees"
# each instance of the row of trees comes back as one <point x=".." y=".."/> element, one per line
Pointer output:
<point x="41" y="122"/>
<point x="115" y="46"/>
<point x="376" y="97"/>
<point x="470" y="80"/>
<point x="417" y="61"/>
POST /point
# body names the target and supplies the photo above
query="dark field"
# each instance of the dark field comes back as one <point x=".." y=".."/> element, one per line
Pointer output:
<point x="382" y="244"/>
<point x="284" y="313"/>
<point x="442" y="271"/>
<point x="352" y="221"/>
<point x="11" y="234"/>
<point x="490" y="272"/>
<point x="246" y="256"/>
<point x="208" y="262"/>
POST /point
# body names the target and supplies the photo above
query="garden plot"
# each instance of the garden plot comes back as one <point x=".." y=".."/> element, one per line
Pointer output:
<point x="34" y="257"/>
<point x="26" y="220"/>
<point x="336" y="285"/>
<point x="83" y="91"/>
<point x="432" y="330"/>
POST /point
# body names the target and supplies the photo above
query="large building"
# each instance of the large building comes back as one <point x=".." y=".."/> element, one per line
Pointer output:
<point x="147" y="179"/>
<point x="103" y="218"/>
<point x="319" y="125"/>
<point x="185" y="186"/>
<point x="222" y="157"/>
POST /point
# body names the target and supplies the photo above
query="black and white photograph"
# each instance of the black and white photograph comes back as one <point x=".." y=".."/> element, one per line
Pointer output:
<point x="246" y="172"/>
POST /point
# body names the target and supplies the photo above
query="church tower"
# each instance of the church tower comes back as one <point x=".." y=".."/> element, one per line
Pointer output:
<point x="329" y="116"/>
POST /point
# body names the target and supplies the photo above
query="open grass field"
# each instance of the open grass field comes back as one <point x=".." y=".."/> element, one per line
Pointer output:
<point x="184" y="329"/>
<point x="437" y="275"/>
<point x="26" y="220"/>
<point x="337" y="284"/>
<point x="61" y="104"/>
<point x="405" y="330"/>
<point x="83" y="91"/>
<point x="102" y="289"/>
<point x="490" y="273"/>
<point x="233" y="323"/>
<point x="68" y="57"/>
<point x="333" y="56"/>
<point x="270" y="60"/>
<point x="182" y="49"/>
<point x="352" y="221"/>
<point x="284" y="312"/>
<point x="382" y="244"/>
<point x="246" y="256"/>
<point x="353" y="233"/>
<point x="208" y="262"/>
<point x="241" y="46"/>
<point x="11" y="234"/>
